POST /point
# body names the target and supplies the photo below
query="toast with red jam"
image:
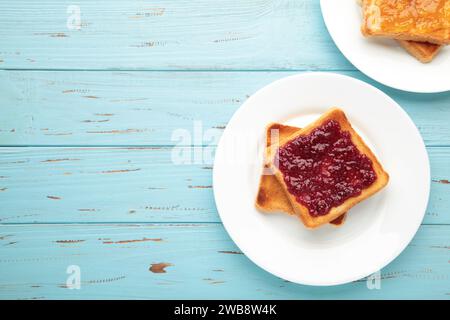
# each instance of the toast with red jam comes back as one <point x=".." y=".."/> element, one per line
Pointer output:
<point x="271" y="196"/>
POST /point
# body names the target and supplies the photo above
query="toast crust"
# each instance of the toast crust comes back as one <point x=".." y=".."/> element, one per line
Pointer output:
<point x="416" y="20"/>
<point x="422" y="51"/>
<point x="381" y="181"/>
<point x="271" y="196"/>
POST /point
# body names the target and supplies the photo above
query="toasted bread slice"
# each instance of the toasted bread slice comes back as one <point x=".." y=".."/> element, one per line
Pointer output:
<point x="334" y="115"/>
<point x="271" y="196"/>
<point x="422" y="51"/>
<point x="416" y="20"/>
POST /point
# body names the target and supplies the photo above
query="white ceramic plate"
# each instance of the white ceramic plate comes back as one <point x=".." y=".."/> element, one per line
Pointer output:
<point x="376" y="230"/>
<point x="383" y="59"/>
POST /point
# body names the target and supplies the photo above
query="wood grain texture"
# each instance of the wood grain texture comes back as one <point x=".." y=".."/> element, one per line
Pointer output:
<point x="102" y="184"/>
<point x="115" y="261"/>
<point x="179" y="34"/>
<point x="145" y="108"/>
<point x="66" y="185"/>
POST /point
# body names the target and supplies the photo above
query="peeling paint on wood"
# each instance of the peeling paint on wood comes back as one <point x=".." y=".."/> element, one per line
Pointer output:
<point x="229" y="39"/>
<point x="95" y="121"/>
<point x="117" y="131"/>
<point x="213" y="281"/>
<point x="129" y="100"/>
<point x="149" y="44"/>
<point x="440" y="247"/>
<point x="173" y="208"/>
<point x="59" y="134"/>
<point x="120" y="171"/>
<point x="60" y="160"/>
<point x="199" y="187"/>
<point x="230" y="252"/>
<point x="69" y="241"/>
<point x="105" y="280"/>
<point x="52" y="34"/>
<point x="133" y="241"/>
<point x="443" y="181"/>
<point x="54" y="197"/>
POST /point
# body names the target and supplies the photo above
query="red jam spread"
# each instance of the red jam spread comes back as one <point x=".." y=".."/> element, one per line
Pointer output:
<point x="324" y="168"/>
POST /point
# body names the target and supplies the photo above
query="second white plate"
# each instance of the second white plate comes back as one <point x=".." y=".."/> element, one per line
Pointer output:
<point x="383" y="59"/>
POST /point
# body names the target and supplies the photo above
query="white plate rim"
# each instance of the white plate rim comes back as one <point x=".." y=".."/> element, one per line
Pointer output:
<point x="255" y="259"/>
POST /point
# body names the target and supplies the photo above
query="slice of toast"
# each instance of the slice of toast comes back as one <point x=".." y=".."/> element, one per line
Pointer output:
<point x="271" y="196"/>
<point x="293" y="143"/>
<point x="422" y="51"/>
<point x="424" y="20"/>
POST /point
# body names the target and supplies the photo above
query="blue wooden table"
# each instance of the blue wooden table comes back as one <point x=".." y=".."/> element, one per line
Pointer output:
<point x="90" y="95"/>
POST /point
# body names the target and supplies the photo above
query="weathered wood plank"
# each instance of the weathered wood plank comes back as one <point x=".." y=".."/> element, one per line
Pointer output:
<point x="182" y="34"/>
<point x="103" y="184"/>
<point x="145" y="108"/>
<point x="134" y="184"/>
<point x="115" y="262"/>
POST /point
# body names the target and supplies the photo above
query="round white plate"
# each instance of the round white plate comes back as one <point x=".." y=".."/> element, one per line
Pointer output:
<point x="383" y="59"/>
<point x="376" y="230"/>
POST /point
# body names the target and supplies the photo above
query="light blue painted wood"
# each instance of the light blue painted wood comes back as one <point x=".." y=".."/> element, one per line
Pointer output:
<point x="123" y="108"/>
<point x="67" y="185"/>
<point x="102" y="185"/>
<point x="115" y="261"/>
<point x="177" y="34"/>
